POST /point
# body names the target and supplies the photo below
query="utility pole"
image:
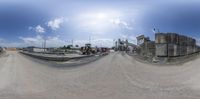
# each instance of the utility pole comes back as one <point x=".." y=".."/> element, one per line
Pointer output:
<point x="44" y="44"/>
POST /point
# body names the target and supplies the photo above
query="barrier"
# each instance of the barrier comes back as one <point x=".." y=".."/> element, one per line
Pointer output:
<point x="50" y="58"/>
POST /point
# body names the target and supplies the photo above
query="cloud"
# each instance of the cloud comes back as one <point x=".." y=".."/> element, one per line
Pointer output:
<point x="51" y="41"/>
<point x="30" y="28"/>
<point x="130" y="37"/>
<point x="4" y="43"/>
<point x="1" y="40"/>
<point x="56" y="23"/>
<point x="12" y="44"/>
<point x="103" y="42"/>
<point x="38" y="29"/>
<point x="121" y="23"/>
<point x="56" y="41"/>
<point x="32" y="41"/>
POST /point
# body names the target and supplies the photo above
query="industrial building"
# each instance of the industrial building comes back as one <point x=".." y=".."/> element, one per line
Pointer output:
<point x="173" y="45"/>
<point x="35" y="49"/>
<point x="121" y="45"/>
<point x="166" y="45"/>
<point x="146" y="47"/>
<point x="125" y="45"/>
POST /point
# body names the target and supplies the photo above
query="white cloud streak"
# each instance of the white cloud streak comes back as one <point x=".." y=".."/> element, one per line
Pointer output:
<point x="39" y="29"/>
<point x="56" y="23"/>
<point x="121" y="23"/>
<point x="4" y="43"/>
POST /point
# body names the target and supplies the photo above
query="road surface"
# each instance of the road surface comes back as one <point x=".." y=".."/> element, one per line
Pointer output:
<point x="115" y="76"/>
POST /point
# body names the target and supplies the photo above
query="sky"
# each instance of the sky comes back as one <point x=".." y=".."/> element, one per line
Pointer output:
<point x="62" y="22"/>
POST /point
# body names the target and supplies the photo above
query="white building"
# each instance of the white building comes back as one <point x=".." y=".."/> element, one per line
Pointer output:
<point x="36" y="49"/>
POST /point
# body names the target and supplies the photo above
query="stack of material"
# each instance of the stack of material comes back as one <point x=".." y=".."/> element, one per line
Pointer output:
<point x="161" y="44"/>
<point x="190" y="45"/>
<point x="183" y="45"/>
<point x="173" y="47"/>
<point x="11" y="49"/>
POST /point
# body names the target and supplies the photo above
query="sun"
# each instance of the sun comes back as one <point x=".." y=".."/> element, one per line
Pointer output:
<point x="101" y="15"/>
<point x="96" y="22"/>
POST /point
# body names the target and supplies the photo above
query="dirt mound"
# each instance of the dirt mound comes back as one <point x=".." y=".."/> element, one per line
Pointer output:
<point x="11" y="49"/>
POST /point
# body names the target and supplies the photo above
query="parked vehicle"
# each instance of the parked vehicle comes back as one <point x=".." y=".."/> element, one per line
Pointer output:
<point x="1" y="49"/>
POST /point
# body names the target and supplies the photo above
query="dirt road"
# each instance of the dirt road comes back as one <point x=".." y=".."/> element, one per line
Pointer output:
<point x="115" y="76"/>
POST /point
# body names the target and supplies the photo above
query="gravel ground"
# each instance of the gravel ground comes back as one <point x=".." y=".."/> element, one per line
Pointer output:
<point x="164" y="61"/>
<point x="115" y="76"/>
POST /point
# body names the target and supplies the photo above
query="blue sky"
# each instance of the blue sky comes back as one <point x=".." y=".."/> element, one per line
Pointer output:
<point x="27" y="23"/>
